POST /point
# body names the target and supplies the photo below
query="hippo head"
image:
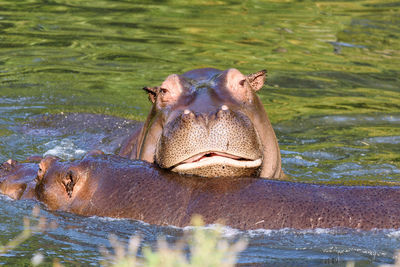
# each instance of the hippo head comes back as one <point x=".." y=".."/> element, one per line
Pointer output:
<point x="17" y="180"/>
<point x="59" y="183"/>
<point x="210" y="123"/>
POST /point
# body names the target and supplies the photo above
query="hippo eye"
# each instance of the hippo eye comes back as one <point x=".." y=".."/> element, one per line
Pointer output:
<point x="39" y="175"/>
<point x="163" y="91"/>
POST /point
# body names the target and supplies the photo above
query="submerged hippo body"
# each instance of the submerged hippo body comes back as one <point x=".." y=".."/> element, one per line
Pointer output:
<point x="107" y="185"/>
<point x="210" y="123"/>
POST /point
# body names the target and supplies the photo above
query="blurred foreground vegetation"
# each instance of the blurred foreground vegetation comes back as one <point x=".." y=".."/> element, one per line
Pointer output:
<point x="199" y="247"/>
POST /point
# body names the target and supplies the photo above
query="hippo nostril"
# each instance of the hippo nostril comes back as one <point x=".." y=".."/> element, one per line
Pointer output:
<point x="223" y="110"/>
<point x="187" y="114"/>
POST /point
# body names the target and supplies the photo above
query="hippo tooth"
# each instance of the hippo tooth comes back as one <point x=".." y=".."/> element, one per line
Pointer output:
<point x="218" y="160"/>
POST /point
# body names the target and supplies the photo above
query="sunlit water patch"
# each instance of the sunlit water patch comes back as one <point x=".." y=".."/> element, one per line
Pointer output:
<point x="341" y="150"/>
<point x="64" y="149"/>
<point x="394" y="140"/>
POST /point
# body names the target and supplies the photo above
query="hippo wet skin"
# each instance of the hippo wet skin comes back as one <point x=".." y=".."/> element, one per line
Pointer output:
<point x="210" y="123"/>
<point x="112" y="186"/>
<point x="18" y="180"/>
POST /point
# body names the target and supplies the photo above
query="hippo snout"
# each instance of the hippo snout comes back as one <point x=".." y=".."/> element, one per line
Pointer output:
<point x="219" y="143"/>
<point x="205" y="118"/>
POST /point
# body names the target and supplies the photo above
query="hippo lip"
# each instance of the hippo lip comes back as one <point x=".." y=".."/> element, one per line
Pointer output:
<point x="216" y="158"/>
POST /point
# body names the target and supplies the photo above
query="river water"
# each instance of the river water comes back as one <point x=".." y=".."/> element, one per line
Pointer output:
<point x="333" y="96"/>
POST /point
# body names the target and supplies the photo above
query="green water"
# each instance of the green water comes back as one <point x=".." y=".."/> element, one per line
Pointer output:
<point x="96" y="55"/>
<point x="333" y="89"/>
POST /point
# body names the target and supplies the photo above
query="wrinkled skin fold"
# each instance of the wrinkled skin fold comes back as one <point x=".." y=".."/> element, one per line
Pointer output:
<point x="112" y="186"/>
<point x="209" y="123"/>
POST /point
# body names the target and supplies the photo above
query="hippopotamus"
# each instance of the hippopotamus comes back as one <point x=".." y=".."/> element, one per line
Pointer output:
<point x="18" y="180"/>
<point x="210" y="123"/>
<point x="113" y="186"/>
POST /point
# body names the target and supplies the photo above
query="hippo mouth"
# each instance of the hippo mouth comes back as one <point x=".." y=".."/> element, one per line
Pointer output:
<point x="212" y="159"/>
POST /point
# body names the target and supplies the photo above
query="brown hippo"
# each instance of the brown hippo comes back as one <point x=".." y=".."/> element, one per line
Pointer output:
<point x="18" y="180"/>
<point x="210" y="123"/>
<point x="108" y="185"/>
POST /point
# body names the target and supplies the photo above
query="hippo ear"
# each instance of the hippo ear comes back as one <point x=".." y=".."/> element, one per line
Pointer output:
<point x="257" y="80"/>
<point x="8" y="165"/>
<point x="11" y="162"/>
<point x="69" y="181"/>
<point x="152" y="91"/>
